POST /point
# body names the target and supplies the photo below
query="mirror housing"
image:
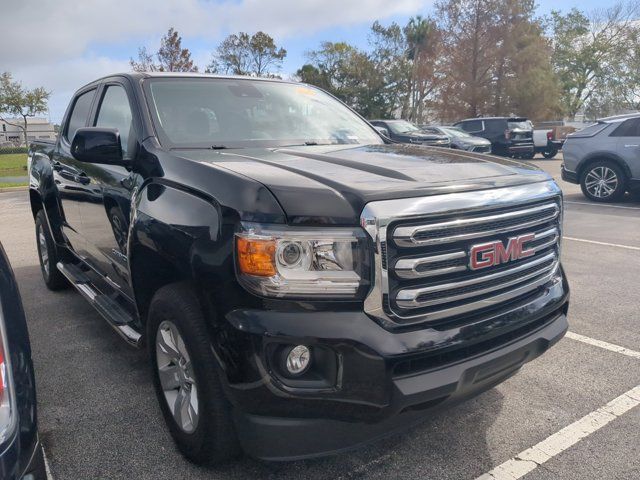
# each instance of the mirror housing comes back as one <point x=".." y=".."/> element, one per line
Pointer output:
<point x="382" y="131"/>
<point x="97" y="145"/>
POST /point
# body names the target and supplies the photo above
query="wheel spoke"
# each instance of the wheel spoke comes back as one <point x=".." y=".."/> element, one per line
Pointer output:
<point x="167" y="345"/>
<point x="180" y="408"/>
<point x="169" y="377"/>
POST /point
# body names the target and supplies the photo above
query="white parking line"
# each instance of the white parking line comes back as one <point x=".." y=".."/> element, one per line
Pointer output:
<point x="528" y="460"/>
<point x="628" y="247"/>
<point x="605" y="345"/>
<point x="47" y="469"/>
<point x="601" y="205"/>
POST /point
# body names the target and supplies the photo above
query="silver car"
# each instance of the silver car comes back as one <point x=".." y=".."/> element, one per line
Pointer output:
<point x="461" y="139"/>
<point x="604" y="158"/>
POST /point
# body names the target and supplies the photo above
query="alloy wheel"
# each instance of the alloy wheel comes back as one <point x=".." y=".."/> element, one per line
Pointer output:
<point x="176" y="375"/>
<point x="601" y="182"/>
<point x="44" y="251"/>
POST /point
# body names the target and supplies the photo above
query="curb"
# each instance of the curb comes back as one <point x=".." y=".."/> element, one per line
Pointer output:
<point x="14" y="189"/>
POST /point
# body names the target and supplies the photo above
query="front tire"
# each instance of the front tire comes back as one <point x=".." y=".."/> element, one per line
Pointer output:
<point x="48" y="255"/>
<point x="603" y="181"/>
<point x="185" y="374"/>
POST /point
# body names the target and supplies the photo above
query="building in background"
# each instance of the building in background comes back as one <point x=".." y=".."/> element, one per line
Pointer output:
<point x="37" y="128"/>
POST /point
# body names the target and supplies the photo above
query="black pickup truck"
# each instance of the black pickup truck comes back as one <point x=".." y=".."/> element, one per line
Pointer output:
<point x="302" y="286"/>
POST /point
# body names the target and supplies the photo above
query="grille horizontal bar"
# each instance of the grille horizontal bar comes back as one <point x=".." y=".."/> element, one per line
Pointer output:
<point x="475" y="227"/>
<point x="454" y="291"/>
<point x="434" y="265"/>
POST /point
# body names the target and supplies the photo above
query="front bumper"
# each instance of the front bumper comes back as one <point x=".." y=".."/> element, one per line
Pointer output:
<point x="386" y="380"/>
<point x="568" y="176"/>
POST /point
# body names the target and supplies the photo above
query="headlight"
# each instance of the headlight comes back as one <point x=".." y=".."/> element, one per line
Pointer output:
<point x="303" y="263"/>
<point x="7" y="396"/>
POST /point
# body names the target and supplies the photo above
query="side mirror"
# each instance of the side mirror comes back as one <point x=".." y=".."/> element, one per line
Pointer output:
<point x="97" y="145"/>
<point x="382" y="131"/>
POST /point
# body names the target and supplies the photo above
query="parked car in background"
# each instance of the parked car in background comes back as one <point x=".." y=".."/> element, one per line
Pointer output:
<point x="604" y="158"/>
<point x="461" y="139"/>
<point x="21" y="454"/>
<point x="303" y="285"/>
<point x="548" y="137"/>
<point x="406" y="132"/>
<point x="509" y="136"/>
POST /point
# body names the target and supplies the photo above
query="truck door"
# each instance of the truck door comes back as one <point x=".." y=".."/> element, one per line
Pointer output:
<point x="73" y="186"/>
<point x="105" y="223"/>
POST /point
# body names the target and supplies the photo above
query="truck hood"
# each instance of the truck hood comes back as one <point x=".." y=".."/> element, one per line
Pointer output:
<point x="332" y="184"/>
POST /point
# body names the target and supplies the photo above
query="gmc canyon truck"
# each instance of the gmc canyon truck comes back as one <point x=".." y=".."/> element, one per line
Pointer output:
<point x="301" y="285"/>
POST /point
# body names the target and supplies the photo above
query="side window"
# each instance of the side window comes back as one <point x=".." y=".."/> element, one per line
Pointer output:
<point x="628" y="128"/>
<point x="79" y="114"/>
<point x="115" y="112"/>
<point x="472" y="126"/>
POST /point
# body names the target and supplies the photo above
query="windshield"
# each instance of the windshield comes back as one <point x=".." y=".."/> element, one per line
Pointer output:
<point x="234" y="113"/>
<point x="402" y="126"/>
<point x="456" y="132"/>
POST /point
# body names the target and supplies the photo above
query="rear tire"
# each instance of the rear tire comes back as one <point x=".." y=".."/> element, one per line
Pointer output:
<point x="191" y="397"/>
<point x="548" y="154"/>
<point x="603" y="181"/>
<point x="48" y="255"/>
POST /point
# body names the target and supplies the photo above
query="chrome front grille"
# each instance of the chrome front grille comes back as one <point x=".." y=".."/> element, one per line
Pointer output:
<point x="426" y="273"/>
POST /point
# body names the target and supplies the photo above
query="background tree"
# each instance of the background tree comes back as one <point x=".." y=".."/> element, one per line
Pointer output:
<point x="170" y="57"/>
<point x="587" y="50"/>
<point x="422" y="39"/>
<point x="19" y="102"/>
<point x="243" y="54"/>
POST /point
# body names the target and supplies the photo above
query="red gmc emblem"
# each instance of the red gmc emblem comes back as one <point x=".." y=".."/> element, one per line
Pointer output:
<point x="494" y="253"/>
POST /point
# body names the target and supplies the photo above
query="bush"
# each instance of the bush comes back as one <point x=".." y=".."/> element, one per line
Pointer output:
<point x="7" y="150"/>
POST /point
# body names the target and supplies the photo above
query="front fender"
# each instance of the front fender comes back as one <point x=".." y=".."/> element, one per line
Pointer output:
<point x="43" y="192"/>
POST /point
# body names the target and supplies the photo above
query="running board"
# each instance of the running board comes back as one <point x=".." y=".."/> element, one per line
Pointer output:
<point x="113" y="313"/>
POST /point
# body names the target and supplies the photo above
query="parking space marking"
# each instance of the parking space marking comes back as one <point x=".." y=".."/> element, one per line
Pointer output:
<point x="528" y="460"/>
<point x="617" y="245"/>
<point x="601" y="205"/>
<point x="47" y="469"/>
<point x="605" y="345"/>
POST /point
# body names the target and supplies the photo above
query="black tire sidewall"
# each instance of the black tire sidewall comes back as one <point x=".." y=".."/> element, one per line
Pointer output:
<point x="620" y="189"/>
<point x="54" y="280"/>
<point x="178" y="304"/>
<point x="549" y="154"/>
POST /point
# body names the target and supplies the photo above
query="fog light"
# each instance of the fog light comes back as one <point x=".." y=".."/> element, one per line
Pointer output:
<point x="298" y="359"/>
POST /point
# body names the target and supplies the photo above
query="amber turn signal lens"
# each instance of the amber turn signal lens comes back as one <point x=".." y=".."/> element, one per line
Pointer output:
<point x="256" y="257"/>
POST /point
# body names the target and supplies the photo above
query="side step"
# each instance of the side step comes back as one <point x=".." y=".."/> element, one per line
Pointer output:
<point x="115" y="315"/>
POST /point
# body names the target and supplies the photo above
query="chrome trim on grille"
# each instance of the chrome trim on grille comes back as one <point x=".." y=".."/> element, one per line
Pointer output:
<point x="405" y="236"/>
<point x="408" y="267"/>
<point x="491" y="301"/>
<point x="377" y="216"/>
<point x="409" y="298"/>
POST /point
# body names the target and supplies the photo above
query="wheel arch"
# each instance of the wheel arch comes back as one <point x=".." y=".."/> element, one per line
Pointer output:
<point x="603" y="156"/>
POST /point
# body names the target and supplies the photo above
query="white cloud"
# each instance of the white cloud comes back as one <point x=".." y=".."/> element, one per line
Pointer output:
<point x="50" y="44"/>
<point x="44" y="30"/>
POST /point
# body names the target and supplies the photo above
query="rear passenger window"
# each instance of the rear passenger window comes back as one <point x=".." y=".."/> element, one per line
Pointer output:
<point x="628" y="128"/>
<point x="79" y="114"/>
<point x="472" y="126"/>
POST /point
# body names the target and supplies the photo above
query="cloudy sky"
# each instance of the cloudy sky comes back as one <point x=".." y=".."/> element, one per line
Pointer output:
<point x="64" y="44"/>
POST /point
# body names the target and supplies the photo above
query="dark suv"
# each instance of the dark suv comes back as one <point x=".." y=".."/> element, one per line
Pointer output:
<point x="509" y="136"/>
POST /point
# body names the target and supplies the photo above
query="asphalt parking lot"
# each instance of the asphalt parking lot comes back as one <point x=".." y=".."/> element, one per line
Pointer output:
<point x="99" y="417"/>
